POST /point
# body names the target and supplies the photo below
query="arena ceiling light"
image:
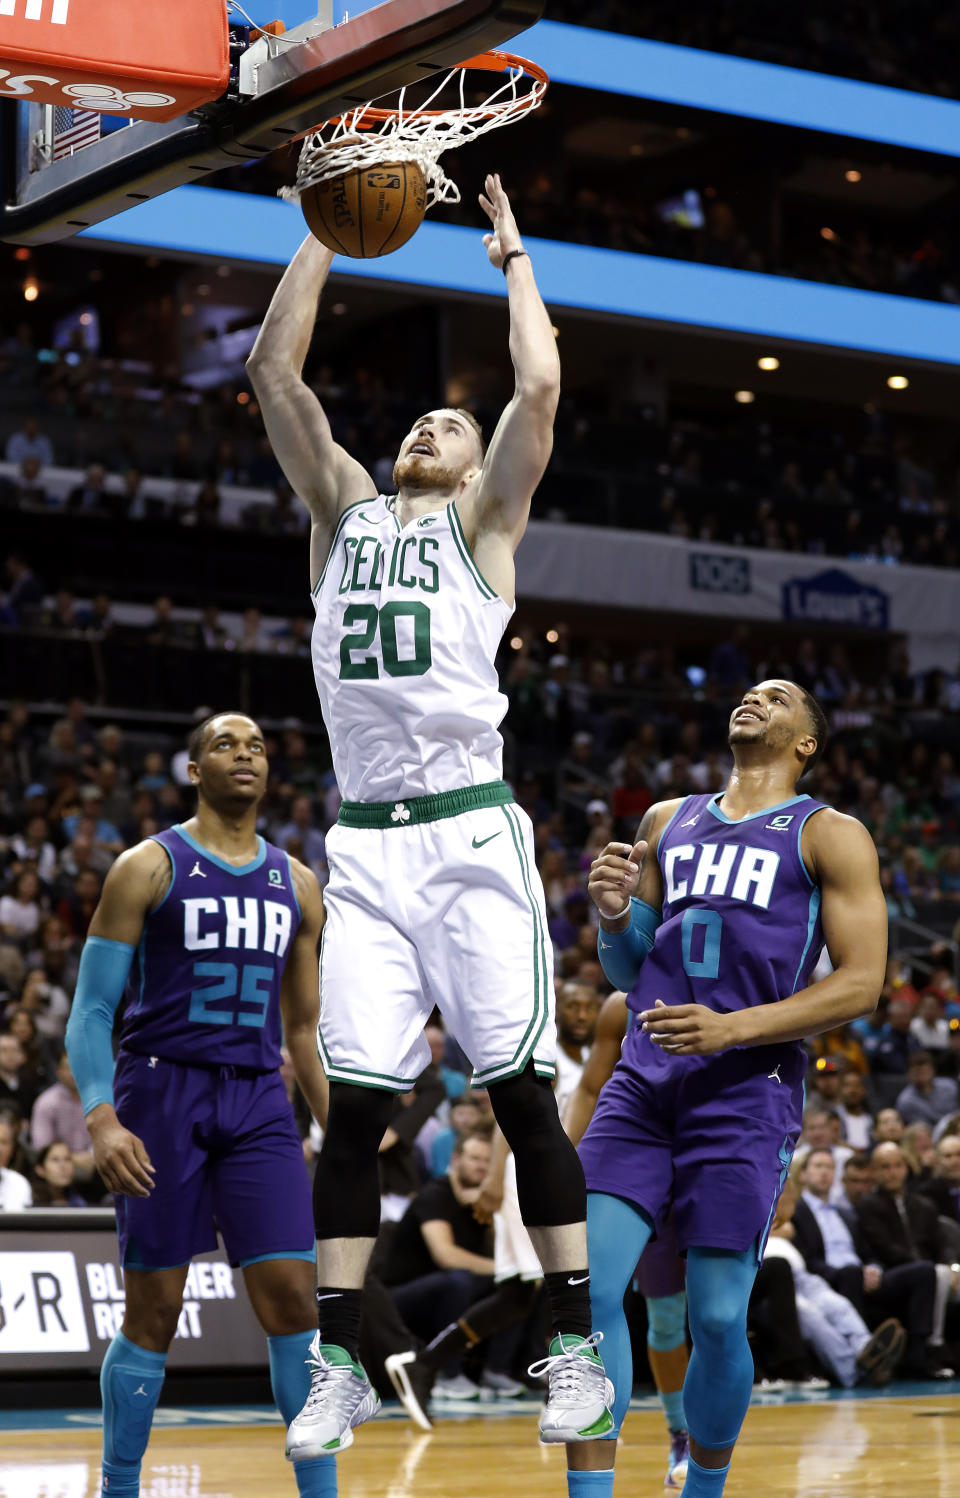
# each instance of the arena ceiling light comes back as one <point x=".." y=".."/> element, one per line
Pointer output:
<point x="744" y="397"/>
<point x="897" y="382"/>
<point x="768" y="362"/>
<point x="852" y="175"/>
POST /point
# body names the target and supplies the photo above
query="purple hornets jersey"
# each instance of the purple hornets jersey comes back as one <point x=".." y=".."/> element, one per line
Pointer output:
<point x="205" y="984"/>
<point x="741" y="915"/>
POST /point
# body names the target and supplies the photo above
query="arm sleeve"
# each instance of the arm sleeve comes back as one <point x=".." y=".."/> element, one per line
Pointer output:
<point x="104" y="969"/>
<point x="622" y="953"/>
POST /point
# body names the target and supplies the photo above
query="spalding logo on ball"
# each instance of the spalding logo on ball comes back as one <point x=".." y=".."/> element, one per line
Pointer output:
<point x="369" y="211"/>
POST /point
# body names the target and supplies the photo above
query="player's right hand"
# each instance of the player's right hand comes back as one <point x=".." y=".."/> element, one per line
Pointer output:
<point x="489" y="1198"/>
<point x="614" y="877"/>
<point x="121" y="1159"/>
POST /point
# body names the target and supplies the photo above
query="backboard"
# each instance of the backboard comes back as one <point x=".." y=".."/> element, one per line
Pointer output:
<point x="61" y="175"/>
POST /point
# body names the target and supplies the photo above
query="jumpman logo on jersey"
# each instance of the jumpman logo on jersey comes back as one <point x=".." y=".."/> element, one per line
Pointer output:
<point x="197" y="870"/>
<point x="692" y="822"/>
<point x="774" y="1076"/>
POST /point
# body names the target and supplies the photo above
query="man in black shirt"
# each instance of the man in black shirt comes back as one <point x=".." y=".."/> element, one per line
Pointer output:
<point x="441" y="1258"/>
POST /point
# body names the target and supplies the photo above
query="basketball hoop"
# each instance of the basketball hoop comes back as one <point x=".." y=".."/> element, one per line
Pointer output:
<point x="370" y="135"/>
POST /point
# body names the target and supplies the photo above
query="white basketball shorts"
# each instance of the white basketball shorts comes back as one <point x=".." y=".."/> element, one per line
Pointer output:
<point x="434" y="901"/>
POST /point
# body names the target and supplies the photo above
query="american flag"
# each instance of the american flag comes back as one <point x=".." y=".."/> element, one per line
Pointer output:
<point x="73" y="129"/>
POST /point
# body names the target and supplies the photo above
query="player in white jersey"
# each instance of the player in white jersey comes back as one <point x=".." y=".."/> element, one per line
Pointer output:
<point x="433" y="895"/>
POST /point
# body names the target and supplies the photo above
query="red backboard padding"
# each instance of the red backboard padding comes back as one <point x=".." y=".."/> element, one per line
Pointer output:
<point x="142" y="59"/>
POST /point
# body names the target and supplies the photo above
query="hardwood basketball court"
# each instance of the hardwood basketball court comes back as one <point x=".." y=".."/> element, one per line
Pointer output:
<point x="825" y="1448"/>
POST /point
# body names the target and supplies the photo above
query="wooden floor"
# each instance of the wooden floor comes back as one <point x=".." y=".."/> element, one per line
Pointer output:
<point x="875" y="1449"/>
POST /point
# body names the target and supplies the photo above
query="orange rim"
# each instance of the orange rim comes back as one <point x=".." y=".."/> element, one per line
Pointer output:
<point x="489" y="62"/>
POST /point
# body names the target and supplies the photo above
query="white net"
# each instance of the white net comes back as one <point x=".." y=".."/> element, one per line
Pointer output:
<point x="372" y="136"/>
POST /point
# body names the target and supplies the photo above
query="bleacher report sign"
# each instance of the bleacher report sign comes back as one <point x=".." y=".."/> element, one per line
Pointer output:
<point x="61" y="1303"/>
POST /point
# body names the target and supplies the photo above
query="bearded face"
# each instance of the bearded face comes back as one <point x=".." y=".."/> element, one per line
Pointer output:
<point x="415" y="471"/>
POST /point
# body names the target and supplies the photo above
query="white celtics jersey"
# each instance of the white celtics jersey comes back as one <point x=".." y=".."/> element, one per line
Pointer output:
<point x="403" y="650"/>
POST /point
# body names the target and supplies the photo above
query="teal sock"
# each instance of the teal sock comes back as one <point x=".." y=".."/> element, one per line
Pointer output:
<point x="290" y="1381"/>
<point x="130" y="1382"/>
<point x="673" y="1409"/>
<point x="590" y="1484"/>
<point x="704" y="1482"/>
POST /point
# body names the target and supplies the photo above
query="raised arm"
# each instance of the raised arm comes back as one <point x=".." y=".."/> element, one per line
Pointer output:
<point x="523" y="441"/>
<point x="300" y="994"/>
<point x="325" y="477"/>
<point x="840" y="854"/>
<point x="604" y="1055"/>
<point x="136" y="883"/>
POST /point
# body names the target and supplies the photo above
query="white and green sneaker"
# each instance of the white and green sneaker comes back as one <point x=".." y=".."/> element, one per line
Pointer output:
<point x="341" y="1397"/>
<point x="579" y="1394"/>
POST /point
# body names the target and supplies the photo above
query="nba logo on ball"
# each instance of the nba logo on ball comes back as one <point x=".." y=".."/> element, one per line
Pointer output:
<point x="368" y="211"/>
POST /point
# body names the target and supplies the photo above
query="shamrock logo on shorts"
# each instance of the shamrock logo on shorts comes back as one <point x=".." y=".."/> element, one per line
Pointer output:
<point x="400" y="813"/>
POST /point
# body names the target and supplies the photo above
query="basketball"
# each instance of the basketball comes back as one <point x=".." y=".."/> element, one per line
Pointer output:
<point x="369" y="211"/>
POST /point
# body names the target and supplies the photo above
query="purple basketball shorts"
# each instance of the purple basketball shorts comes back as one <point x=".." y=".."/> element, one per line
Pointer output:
<point x="710" y="1135"/>
<point x="227" y="1157"/>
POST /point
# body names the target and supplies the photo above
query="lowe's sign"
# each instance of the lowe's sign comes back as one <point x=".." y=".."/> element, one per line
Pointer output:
<point x="834" y="597"/>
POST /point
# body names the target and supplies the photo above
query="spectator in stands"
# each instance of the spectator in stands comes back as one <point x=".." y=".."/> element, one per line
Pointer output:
<point x="900" y="1228"/>
<point x="16" y="1085"/>
<point x="888" y="1125"/>
<point x="15" y="1192"/>
<point x="19" y="1021"/>
<point x="293" y="638"/>
<point x="252" y="636"/>
<point x="214" y="635"/>
<point x="818" y="1132"/>
<point x="29" y="442"/>
<point x="105" y="833"/>
<point x="943" y="1187"/>
<point x="919" y="1152"/>
<point x="854" y="1115"/>
<point x="928" y="1027"/>
<point x="90" y="497"/>
<point x="825" y="1080"/>
<point x="34" y="849"/>
<point x="302" y="826"/>
<point x="830" y="1244"/>
<point x="53" y="1177"/>
<point x="47" y="1001"/>
<point x="20" y="910"/>
<point x="24" y="592"/>
<point x="857" y="1182"/>
<point x="466" y="1118"/>
<point x="441" y="1259"/>
<point x="29" y="490"/>
<point x="828" y="1321"/>
<point x="205" y="510"/>
<point x="164" y="629"/>
<point x="58" y="1114"/>
<point x="730" y="664"/>
<point x="927" y="1098"/>
<point x="77" y="907"/>
<point x="100" y="622"/>
<point x="892" y="1052"/>
<point x="57" y="955"/>
<point x="948" y="874"/>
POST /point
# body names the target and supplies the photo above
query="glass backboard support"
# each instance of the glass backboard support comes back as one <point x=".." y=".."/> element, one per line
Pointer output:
<point x="277" y="91"/>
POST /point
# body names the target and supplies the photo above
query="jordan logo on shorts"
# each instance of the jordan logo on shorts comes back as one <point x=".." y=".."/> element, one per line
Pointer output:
<point x="142" y="1391"/>
<point x="774" y="1076"/>
<point x="197" y="870"/>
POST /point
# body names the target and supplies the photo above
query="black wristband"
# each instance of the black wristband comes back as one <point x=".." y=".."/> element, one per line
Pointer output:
<point x="511" y="255"/>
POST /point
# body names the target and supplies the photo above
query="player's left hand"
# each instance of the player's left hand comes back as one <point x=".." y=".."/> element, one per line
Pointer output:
<point x="687" y="1029"/>
<point x="506" y="235"/>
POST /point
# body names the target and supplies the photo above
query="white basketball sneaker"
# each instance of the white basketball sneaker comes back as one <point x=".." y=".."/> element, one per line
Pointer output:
<point x="579" y="1394"/>
<point x="341" y="1397"/>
